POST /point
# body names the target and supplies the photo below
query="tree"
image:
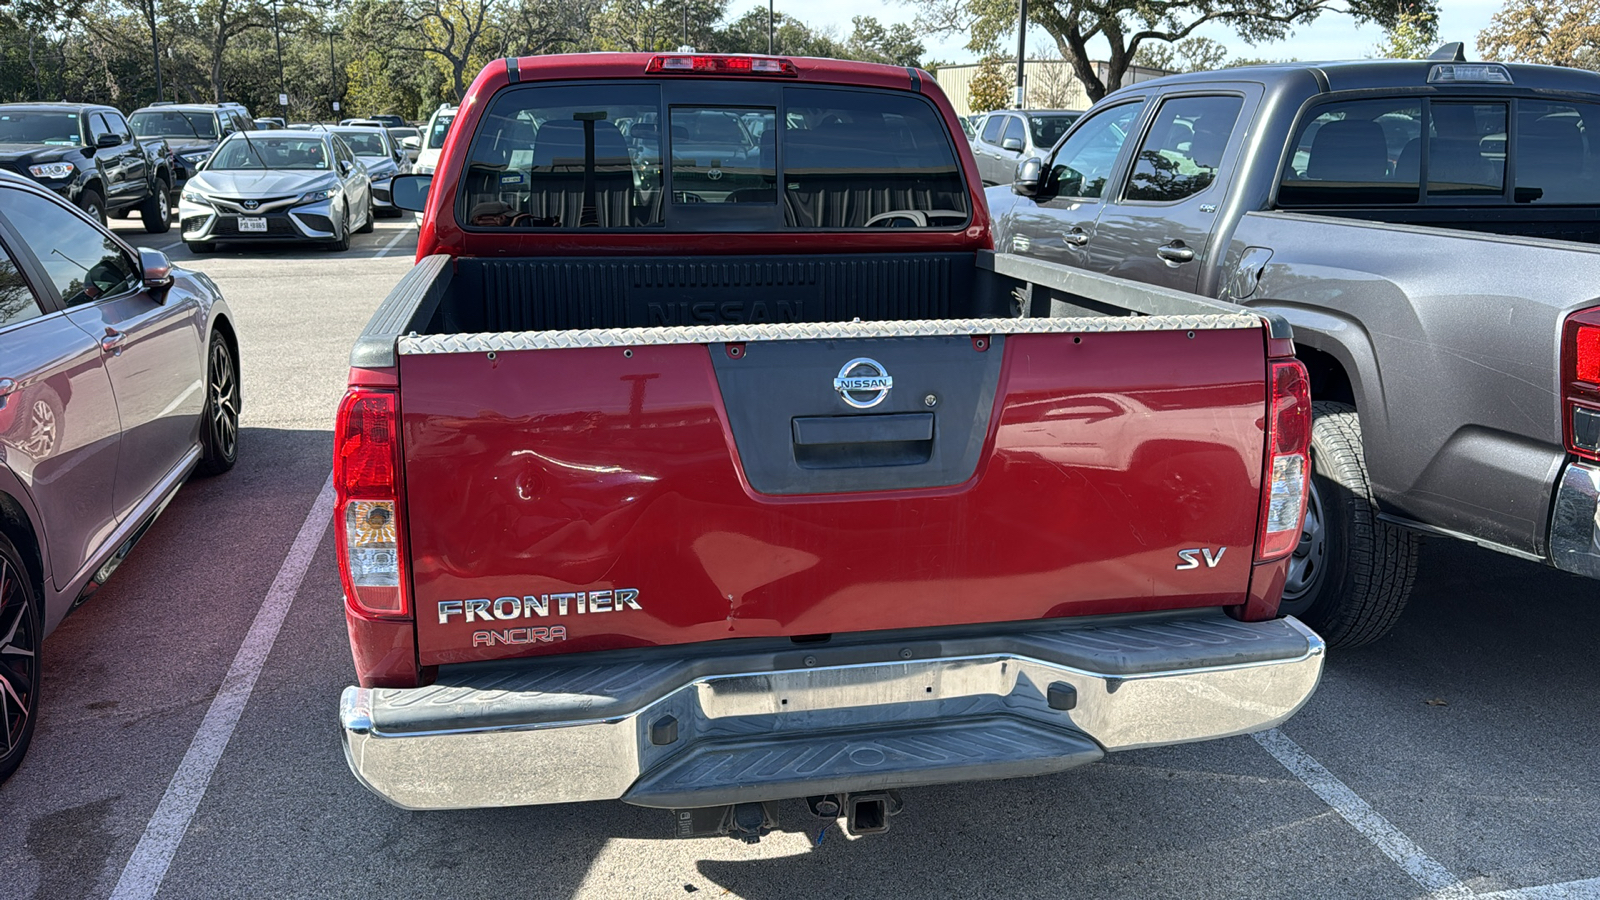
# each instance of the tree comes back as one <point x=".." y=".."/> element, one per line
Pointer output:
<point x="1414" y="34"/>
<point x="748" y="34"/>
<point x="1124" y="26"/>
<point x="896" y="45"/>
<point x="646" y="25"/>
<point x="1552" y="32"/>
<point x="1199" y="54"/>
<point x="991" y="85"/>
<point x="221" y="21"/>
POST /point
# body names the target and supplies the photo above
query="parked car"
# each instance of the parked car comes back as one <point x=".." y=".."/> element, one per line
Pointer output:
<point x="268" y="124"/>
<point x="1011" y="136"/>
<point x="363" y="123"/>
<point x="1443" y="308"/>
<point x="89" y="155"/>
<point x="192" y="129"/>
<point x="383" y="160"/>
<point x="389" y="120"/>
<point x="119" y="377"/>
<point x="433" y="135"/>
<point x="278" y="186"/>
<point x="408" y="139"/>
<point x="736" y="496"/>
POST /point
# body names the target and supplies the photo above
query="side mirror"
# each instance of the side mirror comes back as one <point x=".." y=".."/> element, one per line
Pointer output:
<point x="1029" y="177"/>
<point x="157" y="269"/>
<point x="107" y="140"/>
<point x="344" y="167"/>
<point x="1013" y="144"/>
<point x="410" y="192"/>
<point x="411" y="143"/>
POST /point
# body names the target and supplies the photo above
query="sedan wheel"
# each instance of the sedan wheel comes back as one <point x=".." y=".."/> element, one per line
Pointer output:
<point x="19" y="660"/>
<point x="220" y="427"/>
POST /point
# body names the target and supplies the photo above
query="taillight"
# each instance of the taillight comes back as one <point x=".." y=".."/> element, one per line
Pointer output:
<point x="367" y="521"/>
<point x="1580" y="384"/>
<point x="1288" y="464"/>
<point x="721" y="65"/>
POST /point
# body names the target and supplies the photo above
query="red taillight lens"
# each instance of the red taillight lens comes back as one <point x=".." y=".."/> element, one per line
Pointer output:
<point x="1288" y="463"/>
<point x="367" y="522"/>
<point x="1580" y="384"/>
<point x="721" y="65"/>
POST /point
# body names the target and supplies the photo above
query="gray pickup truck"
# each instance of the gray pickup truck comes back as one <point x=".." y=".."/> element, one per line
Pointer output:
<point x="1428" y="227"/>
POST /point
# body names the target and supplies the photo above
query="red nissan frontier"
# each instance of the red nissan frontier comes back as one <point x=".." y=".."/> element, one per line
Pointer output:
<point x="710" y="456"/>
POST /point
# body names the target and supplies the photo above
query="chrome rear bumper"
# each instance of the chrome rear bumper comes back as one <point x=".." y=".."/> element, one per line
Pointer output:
<point x="695" y="729"/>
<point x="1575" y="521"/>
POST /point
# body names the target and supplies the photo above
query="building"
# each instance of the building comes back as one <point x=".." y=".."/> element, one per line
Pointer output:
<point x="1051" y="83"/>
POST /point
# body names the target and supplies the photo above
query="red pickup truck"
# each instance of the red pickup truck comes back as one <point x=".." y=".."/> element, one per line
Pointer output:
<point x="710" y="457"/>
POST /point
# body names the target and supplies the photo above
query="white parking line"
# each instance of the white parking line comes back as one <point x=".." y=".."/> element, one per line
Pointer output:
<point x="392" y="241"/>
<point x="1362" y="817"/>
<point x="1587" y="889"/>
<point x="146" y="868"/>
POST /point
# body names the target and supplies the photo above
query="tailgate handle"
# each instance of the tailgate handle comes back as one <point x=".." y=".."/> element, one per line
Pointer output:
<point x="850" y="442"/>
<point x="811" y="430"/>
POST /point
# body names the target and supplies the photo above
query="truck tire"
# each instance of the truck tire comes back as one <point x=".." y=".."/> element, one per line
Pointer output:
<point x="219" y="424"/>
<point x="156" y="211"/>
<point x="20" y="630"/>
<point x="92" y="203"/>
<point x="1352" y="572"/>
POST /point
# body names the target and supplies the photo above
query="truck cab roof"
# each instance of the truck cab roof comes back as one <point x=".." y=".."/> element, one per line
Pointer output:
<point x="1380" y="74"/>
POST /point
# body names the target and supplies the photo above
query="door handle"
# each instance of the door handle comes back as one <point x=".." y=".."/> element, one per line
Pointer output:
<point x="112" y="342"/>
<point x="1175" y="252"/>
<point x="1077" y="237"/>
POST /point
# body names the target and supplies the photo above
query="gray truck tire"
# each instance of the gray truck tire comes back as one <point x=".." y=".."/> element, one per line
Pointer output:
<point x="1352" y="573"/>
<point x="156" y="210"/>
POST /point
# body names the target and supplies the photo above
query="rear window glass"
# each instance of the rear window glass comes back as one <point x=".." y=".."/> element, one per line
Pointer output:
<point x="1558" y="160"/>
<point x="1363" y="153"/>
<point x="1049" y="129"/>
<point x="592" y="156"/>
<point x="364" y="143"/>
<point x="1467" y="150"/>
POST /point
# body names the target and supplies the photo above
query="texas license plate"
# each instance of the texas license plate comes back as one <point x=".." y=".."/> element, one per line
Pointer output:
<point x="257" y="225"/>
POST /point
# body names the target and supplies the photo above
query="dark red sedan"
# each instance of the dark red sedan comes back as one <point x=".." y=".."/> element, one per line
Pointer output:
<point x="119" y="377"/>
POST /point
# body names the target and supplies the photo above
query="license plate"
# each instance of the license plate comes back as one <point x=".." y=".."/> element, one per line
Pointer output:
<point x="258" y="225"/>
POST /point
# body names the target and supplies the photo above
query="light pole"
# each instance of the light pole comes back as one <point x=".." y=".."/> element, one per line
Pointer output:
<point x="1022" y="54"/>
<point x="769" y="27"/>
<point x="155" y="51"/>
<point x="277" y="40"/>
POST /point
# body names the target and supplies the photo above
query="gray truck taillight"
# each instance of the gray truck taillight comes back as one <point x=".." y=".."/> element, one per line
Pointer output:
<point x="1288" y="463"/>
<point x="1580" y="384"/>
<point x="368" y="527"/>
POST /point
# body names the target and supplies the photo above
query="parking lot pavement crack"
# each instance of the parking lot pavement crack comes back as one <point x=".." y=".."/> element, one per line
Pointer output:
<point x="147" y="867"/>
<point x="1391" y="841"/>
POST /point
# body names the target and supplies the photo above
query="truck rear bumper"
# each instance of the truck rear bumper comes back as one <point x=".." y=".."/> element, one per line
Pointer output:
<point x="1575" y="521"/>
<point x="706" y="726"/>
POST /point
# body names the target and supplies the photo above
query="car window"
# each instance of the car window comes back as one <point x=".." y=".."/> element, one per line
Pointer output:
<point x="83" y="263"/>
<point x="270" y="152"/>
<point x="59" y="129"/>
<point x="1466" y="149"/>
<point x="174" y="124"/>
<point x="439" y="129"/>
<point x="1084" y="160"/>
<point x="1014" y="131"/>
<point x="17" y="300"/>
<point x="226" y="124"/>
<point x="718" y="158"/>
<point x="98" y="126"/>
<point x="991" y="129"/>
<point x="1183" y="148"/>
<point x="119" y="126"/>
<point x="342" y="150"/>
<point x="1048" y="129"/>
<point x="364" y="143"/>
<point x="1558" y="152"/>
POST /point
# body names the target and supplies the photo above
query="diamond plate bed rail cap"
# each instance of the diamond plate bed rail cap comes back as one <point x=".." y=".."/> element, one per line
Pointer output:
<point x="415" y="345"/>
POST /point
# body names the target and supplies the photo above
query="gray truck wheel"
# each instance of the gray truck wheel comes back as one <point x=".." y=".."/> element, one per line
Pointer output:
<point x="1352" y="572"/>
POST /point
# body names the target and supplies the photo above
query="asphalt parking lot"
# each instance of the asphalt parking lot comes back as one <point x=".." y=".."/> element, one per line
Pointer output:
<point x="188" y="745"/>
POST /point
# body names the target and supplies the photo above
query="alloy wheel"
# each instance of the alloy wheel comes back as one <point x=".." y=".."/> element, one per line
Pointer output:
<point x="164" y="205"/>
<point x="19" y="659"/>
<point x="41" y="431"/>
<point x="1310" y="554"/>
<point x="224" y="401"/>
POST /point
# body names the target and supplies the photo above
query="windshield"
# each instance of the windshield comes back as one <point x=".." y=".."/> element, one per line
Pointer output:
<point x="364" y="143"/>
<point x="1049" y="129"/>
<point x="401" y="134"/>
<point x="40" y="128"/>
<point x="438" y="129"/>
<point x="270" y="152"/>
<point x="170" y="123"/>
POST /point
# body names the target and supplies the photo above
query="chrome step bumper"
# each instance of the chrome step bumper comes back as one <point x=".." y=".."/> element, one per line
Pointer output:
<point x="703" y="726"/>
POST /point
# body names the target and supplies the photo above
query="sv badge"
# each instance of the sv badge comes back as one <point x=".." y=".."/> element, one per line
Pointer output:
<point x="1191" y="558"/>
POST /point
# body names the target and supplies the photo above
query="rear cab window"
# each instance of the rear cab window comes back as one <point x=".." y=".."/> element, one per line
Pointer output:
<point x="1415" y="151"/>
<point x="627" y="155"/>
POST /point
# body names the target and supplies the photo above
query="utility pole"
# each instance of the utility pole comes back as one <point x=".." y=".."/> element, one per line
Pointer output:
<point x="333" y="76"/>
<point x="686" y="23"/>
<point x="155" y="48"/>
<point x="277" y="39"/>
<point x="770" y="3"/>
<point x="1022" y="54"/>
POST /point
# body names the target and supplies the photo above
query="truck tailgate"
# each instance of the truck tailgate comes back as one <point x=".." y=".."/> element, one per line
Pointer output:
<point x="571" y="491"/>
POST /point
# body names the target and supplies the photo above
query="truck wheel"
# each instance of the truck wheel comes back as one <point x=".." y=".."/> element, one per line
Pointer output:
<point x="1352" y="572"/>
<point x="219" y="424"/>
<point x="156" y="211"/>
<point x="20" y="634"/>
<point x="92" y="203"/>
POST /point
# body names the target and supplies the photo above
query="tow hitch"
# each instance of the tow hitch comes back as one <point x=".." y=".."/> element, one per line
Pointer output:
<point x="864" y="813"/>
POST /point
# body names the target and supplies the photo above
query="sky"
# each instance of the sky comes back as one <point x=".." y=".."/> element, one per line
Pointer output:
<point x="1331" y="36"/>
